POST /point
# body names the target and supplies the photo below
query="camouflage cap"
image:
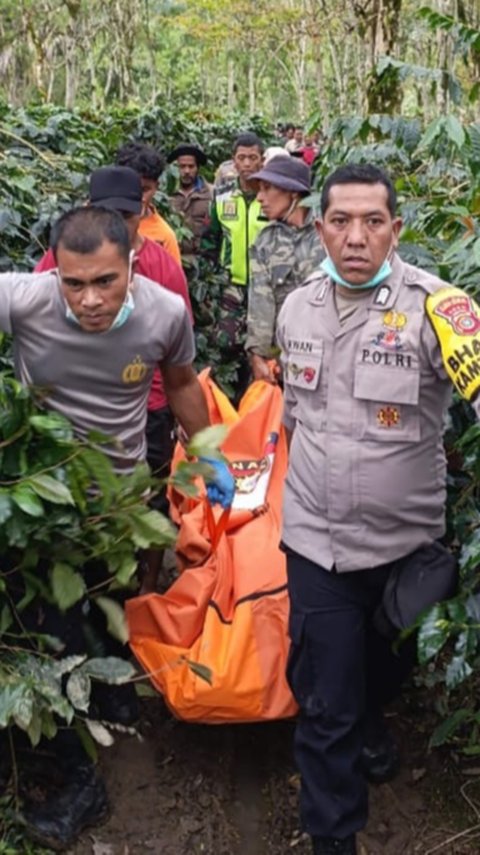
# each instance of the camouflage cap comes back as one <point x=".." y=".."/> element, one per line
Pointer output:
<point x="288" y="173"/>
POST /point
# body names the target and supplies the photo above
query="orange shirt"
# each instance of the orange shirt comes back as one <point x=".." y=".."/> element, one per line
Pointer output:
<point x="156" y="228"/>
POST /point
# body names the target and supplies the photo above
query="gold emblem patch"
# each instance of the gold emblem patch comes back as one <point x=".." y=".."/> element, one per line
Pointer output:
<point x="393" y="320"/>
<point x="388" y="417"/>
<point x="135" y="371"/>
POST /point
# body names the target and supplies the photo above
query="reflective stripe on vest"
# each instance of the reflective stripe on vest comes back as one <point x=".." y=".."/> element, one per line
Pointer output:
<point x="243" y="224"/>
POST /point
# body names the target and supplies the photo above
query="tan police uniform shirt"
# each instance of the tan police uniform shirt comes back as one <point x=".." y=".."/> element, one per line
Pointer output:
<point x="367" y="401"/>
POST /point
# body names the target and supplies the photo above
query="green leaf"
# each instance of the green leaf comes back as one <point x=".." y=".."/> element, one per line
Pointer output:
<point x="151" y="528"/>
<point x="448" y="727"/>
<point x="28" y="501"/>
<point x="109" y="669"/>
<point x="53" y="424"/>
<point x="202" y="671"/>
<point x="88" y="743"/>
<point x="6" y="618"/>
<point x="476" y="251"/>
<point x="458" y="669"/>
<point x="432" y="131"/>
<point x="455" y="131"/>
<point x="433" y="633"/>
<point x="68" y="587"/>
<point x="206" y="442"/>
<point x="145" y="690"/>
<point x="5" y="506"/>
<point x="116" y="620"/>
<point x="34" y="728"/>
<point x="78" y="690"/>
<point x="50" y="489"/>
<point x="49" y="725"/>
<point x="124" y="568"/>
<point x="100" y="733"/>
<point x="23" y="710"/>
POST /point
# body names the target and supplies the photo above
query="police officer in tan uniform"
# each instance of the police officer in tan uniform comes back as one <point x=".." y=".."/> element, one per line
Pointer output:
<point x="370" y="348"/>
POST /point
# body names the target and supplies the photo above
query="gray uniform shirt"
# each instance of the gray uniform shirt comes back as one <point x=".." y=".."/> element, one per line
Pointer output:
<point x="366" y="401"/>
<point x="100" y="381"/>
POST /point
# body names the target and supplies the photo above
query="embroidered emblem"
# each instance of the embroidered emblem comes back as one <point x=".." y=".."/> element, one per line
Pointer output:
<point x="295" y="369"/>
<point x="389" y="338"/>
<point x="382" y="296"/>
<point x="135" y="371"/>
<point x="229" y="209"/>
<point x="388" y="417"/>
<point x="460" y="313"/>
<point x="309" y="374"/>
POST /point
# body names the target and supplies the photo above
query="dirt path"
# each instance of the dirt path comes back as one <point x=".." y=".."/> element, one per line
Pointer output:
<point x="232" y="790"/>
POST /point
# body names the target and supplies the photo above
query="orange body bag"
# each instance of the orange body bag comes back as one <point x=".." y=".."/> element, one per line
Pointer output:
<point x="228" y="610"/>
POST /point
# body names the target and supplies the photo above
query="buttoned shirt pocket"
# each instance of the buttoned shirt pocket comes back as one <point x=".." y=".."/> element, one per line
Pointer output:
<point x="386" y="403"/>
<point x="305" y="390"/>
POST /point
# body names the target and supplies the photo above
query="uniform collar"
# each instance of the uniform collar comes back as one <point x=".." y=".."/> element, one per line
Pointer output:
<point x="383" y="297"/>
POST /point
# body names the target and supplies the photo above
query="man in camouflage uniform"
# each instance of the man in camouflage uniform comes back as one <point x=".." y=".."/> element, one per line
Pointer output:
<point x="284" y="254"/>
<point x="235" y="221"/>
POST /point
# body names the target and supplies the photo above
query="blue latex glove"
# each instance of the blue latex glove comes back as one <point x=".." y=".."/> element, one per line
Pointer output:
<point x="221" y="486"/>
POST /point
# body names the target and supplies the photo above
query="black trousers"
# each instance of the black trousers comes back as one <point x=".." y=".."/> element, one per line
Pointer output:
<point x="340" y="671"/>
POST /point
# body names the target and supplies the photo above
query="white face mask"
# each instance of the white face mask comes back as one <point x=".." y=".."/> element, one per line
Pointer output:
<point x="125" y="309"/>
<point x="382" y="273"/>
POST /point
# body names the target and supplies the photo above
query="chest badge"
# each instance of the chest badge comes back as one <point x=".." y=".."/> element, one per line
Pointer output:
<point x="390" y="338"/>
<point x="388" y="417"/>
<point x="229" y="209"/>
<point x="135" y="371"/>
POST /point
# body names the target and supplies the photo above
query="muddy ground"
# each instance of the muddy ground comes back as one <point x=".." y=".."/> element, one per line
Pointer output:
<point x="233" y="790"/>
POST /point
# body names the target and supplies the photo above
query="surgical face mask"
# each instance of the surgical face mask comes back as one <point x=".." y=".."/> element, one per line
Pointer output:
<point x="384" y="271"/>
<point x="125" y="309"/>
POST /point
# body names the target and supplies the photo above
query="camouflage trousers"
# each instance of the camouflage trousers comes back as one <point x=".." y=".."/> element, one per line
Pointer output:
<point x="232" y="319"/>
<point x="231" y="335"/>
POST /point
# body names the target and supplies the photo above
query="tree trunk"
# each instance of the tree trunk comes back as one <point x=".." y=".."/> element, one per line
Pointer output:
<point x="251" y="84"/>
<point x="230" y="83"/>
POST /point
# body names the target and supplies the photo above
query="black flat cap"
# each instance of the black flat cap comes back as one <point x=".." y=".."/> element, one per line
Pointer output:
<point x="188" y="148"/>
<point x="117" y="187"/>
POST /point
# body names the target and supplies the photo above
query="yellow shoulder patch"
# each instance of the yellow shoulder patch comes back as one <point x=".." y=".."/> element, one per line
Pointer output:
<point x="455" y="317"/>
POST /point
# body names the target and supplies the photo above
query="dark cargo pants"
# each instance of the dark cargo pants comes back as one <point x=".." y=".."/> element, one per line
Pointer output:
<point x="339" y="667"/>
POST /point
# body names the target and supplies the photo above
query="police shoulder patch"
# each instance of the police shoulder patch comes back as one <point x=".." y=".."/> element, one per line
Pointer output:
<point x="455" y="318"/>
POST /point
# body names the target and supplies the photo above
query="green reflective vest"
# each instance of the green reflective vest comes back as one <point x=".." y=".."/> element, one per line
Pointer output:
<point x="241" y="223"/>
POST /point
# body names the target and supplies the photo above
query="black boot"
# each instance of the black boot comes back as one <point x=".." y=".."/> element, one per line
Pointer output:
<point x="57" y="822"/>
<point x="380" y="755"/>
<point x="334" y="846"/>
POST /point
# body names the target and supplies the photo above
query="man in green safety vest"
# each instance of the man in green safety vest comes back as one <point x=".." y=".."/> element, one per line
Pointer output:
<point x="235" y="220"/>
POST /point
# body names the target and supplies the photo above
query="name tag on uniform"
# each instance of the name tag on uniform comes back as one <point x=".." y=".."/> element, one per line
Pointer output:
<point x="229" y="209"/>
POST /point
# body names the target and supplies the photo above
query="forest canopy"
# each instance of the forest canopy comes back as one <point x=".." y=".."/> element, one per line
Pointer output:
<point x="326" y="56"/>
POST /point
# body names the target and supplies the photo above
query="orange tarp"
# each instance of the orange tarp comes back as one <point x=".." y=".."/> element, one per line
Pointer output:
<point x="228" y="609"/>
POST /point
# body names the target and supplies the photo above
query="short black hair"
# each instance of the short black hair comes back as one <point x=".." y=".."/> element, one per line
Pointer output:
<point x="248" y="139"/>
<point x="359" y="173"/>
<point x="83" y="230"/>
<point x="289" y="126"/>
<point x="144" y="159"/>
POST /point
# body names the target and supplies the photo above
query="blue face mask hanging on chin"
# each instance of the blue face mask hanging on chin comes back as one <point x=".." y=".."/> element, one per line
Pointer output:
<point x="124" y="311"/>
<point x="384" y="271"/>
